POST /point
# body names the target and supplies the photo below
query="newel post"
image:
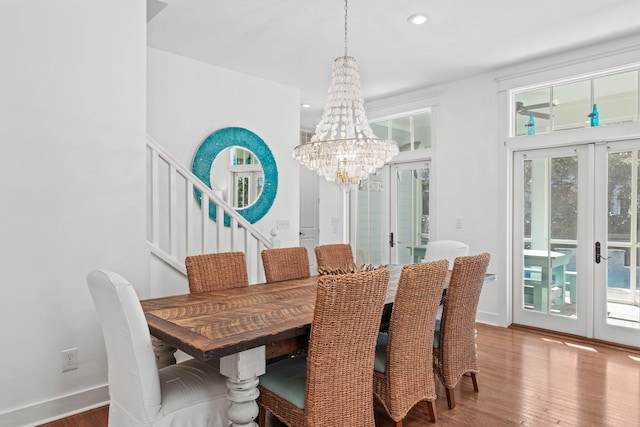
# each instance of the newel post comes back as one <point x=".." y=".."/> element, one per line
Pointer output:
<point x="275" y="241"/>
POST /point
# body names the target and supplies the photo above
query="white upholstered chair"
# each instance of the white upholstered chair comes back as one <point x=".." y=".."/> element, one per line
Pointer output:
<point x="445" y="249"/>
<point x="189" y="394"/>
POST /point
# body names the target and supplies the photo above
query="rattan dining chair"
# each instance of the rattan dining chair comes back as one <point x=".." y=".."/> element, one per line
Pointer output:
<point x="190" y="393"/>
<point x="333" y="385"/>
<point x="454" y="343"/>
<point x="285" y="264"/>
<point x="210" y="272"/>
<point x="334" y="255"/>
<point x="402" y="374"/>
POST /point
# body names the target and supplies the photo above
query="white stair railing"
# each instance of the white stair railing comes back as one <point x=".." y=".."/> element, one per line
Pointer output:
<point x="177" y="226"/>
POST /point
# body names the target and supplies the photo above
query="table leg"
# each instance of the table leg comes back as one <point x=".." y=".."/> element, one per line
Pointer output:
<point x="164" y="352"/>
<point x="242" y="371"/>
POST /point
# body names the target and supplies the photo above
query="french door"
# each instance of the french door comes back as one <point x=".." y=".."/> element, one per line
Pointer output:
<point x="409" y="216"/>
<point x="575" y="240"/>
<point x="617" y="220"/>
<point x="391" y="218"/>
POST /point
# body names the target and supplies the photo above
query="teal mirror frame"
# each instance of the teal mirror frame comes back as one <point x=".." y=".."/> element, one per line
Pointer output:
<point x="241" y="137"/>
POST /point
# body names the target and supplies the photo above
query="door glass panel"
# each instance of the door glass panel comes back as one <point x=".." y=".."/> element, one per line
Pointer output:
<point x="573" y="105"/>
<point x="412" y="215"/>
<point x="622" y="238"/>
<point x="370" y="240"/>
<point x="550" y="235"/>
<point x="619" y="196"/>
<point x="617" y="97"/>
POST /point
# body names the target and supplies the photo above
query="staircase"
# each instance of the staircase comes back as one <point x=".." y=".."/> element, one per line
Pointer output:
<point x="177" y="226"/>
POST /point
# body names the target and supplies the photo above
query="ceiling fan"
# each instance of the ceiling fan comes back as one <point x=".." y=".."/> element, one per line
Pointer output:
<point x="525" y="110"/>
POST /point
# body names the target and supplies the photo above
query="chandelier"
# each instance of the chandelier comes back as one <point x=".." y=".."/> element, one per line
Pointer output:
<point x="344" y="148"/>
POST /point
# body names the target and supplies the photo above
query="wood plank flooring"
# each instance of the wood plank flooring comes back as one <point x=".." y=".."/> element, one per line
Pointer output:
<point x="527" y="378"/>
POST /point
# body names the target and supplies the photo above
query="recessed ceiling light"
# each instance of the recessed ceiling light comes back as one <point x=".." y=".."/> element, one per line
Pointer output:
<point x="306" y="105"/>
<point x="417" y="18"/>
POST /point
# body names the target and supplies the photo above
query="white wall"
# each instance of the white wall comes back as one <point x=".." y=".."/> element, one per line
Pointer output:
<point x="331" y="223"/>
<point x="188" y="100"/>
<point x="470" y="168"/>
<point x="72" y="132"/>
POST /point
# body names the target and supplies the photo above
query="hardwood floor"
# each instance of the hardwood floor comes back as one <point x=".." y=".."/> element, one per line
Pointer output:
<point x="527" y="377"/>
<point x="98" y="417"/>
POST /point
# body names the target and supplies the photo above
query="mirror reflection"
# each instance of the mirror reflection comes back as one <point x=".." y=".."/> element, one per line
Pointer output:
<point x="237" y="175"/>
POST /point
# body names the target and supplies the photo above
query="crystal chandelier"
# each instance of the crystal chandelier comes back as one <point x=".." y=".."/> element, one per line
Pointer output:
<point x="344" y="148"/>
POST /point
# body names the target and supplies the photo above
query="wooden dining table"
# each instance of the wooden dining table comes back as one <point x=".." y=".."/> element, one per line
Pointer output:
<point x="242" y="327"/>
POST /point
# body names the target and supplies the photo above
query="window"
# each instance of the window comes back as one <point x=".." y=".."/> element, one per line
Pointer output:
<point x="411" y="131"/>
<point x="605" y="98"/>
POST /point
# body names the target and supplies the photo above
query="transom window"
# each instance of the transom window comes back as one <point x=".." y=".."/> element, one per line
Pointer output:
<point x="410" y="131"/>
<point x="600" y="99"/>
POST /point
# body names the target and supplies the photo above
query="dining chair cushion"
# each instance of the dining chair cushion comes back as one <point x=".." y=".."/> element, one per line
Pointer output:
<point x="188" y="384"/>
<point x="287" y="378"/>
<point x="380" y="362"/>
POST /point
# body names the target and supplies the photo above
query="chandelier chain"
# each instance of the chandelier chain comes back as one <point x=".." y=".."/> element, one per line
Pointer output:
<point x="346" y="9"/>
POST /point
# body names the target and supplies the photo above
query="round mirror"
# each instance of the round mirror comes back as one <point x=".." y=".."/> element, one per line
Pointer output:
<point x="237" y="164"/>
<point x="237" y="175"/>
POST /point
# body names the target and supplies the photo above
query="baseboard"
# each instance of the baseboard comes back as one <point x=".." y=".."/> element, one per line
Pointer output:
<point x="578" y="338"/>
<point x="490" y="319"/>
<point x="51" y="410"/>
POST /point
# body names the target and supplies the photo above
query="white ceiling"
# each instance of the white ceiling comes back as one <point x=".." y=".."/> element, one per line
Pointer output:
<point x="294" y="42"/>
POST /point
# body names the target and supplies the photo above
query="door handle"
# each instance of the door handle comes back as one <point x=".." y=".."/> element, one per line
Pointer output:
<point x="391" y="239"/>
<point x="598" y="256"/>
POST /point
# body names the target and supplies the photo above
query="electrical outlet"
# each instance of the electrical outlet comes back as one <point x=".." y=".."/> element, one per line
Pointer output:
<point x="459" y="223"/>
<point x="282" y="224"/>
<point x="69" y="359"/>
